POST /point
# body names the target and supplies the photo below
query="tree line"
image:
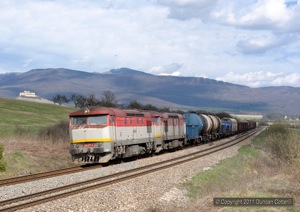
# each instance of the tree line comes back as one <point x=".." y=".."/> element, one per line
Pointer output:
<point x="108" y="99"/>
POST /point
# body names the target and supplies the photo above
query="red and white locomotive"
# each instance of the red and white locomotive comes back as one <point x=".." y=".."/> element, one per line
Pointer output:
<point x="100" y="134"/>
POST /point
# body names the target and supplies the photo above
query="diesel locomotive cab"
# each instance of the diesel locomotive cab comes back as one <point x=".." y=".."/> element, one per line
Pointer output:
<point x="90" y="137"/>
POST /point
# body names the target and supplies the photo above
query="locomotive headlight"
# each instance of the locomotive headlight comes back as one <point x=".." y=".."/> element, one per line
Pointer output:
<point x="86" y="111"/>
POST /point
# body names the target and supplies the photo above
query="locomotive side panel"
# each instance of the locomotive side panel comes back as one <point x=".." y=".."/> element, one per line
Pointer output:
<point x="173" y="130"/>
<point x="226" y="129"/>
<point x="133" y="130"/>
<point x="233" y="122"/>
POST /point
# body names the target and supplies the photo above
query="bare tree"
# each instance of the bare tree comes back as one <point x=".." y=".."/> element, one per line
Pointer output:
<point x="108" y="99"/>
<point x="60" y="99"/>
<point x="135" y="105"/>
<point x="81" y="101"/>
<point x="150" y="107"/>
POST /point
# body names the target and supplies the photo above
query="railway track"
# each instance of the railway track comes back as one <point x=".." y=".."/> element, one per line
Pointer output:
<point x="43" y="175"/>
<point x="72" y="189"/>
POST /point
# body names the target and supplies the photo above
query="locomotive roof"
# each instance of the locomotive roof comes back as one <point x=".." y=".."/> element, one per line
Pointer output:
<point x="113" y="111"/>
<point x="172" y="115"/>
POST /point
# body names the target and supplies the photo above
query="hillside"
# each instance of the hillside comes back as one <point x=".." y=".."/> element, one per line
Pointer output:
<point x="30" y="116"/>
<point x="168" y="91"/>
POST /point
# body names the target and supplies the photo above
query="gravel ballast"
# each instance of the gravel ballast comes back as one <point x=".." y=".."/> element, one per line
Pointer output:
<point x="159" y="191"/>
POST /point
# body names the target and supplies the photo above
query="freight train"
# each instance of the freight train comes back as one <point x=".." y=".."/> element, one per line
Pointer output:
<point x="102" y="134"/>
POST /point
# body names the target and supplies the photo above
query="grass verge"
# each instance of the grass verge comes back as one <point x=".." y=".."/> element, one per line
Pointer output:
<point x="29" y="154"/>
<point x="235" y="171"/>
<point x="267" y="168"/>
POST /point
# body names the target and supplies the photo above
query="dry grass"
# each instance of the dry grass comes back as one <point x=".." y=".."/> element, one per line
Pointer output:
<point x="285" y="149"/>
<point x="55" y="133"/>
<point x="25" y="154"/>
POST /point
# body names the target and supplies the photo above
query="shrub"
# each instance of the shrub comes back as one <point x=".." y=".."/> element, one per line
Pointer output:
<point x="283" y="144"/>
<point x="1" y="151"/>
<point x="57" y="132"/>
<point x="278" y="129"/>
<point x="3" y="164"/>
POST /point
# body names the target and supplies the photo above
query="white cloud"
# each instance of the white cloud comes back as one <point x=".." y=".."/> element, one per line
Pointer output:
<point x="264" y="43"/>
<point x="175" y="74"/>
<point x="260" y="79"/>
<point x="267" y="12"/>
<point x="202" y="75"/>
<point x="170" y="69"/>
<point x="290" y="79"/>
<point x="274" y="15"/>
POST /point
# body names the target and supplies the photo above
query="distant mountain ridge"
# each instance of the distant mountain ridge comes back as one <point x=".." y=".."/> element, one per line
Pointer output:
<point x="168" y="91"/>
<point x="126" y="71"/>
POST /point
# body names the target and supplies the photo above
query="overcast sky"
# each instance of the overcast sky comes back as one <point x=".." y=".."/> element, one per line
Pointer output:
<point x="248" y="42"/>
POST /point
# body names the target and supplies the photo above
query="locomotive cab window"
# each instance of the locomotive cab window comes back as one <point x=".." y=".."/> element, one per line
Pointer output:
<point x="92" y="120"/>
<point x="76" y="121"/>
<point x="98" y="120"/>
<point x="157" y="120"/>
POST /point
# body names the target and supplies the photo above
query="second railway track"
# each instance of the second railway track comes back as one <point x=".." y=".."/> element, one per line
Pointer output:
<point x="43" y="175"/>
<point x="60" y="192"/>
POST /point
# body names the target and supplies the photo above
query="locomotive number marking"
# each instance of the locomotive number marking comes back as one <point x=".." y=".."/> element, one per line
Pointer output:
<point x="87" y="145"/>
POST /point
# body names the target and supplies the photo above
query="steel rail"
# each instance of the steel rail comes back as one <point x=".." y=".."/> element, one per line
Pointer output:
<point x="43" y="175"/>
<point x="147" y="170"/>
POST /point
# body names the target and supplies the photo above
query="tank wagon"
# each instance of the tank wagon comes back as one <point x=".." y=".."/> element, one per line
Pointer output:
<point x="202" y="128"/>
<point x="216" y="128"/>
<point x="194" y="127"/>
<point x="101" y="134"/>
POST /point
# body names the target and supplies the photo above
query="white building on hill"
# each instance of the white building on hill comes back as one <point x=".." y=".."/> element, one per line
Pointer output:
<point x="28" y="94"/>
<point x="31" y="96"/>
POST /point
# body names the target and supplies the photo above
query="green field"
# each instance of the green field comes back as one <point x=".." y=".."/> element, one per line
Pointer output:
<point x="29" y="116"/>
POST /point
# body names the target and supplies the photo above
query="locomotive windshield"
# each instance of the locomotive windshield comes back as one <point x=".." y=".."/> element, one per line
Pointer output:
<point x="97" y="120"/>
<point x="89" y="120"/>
